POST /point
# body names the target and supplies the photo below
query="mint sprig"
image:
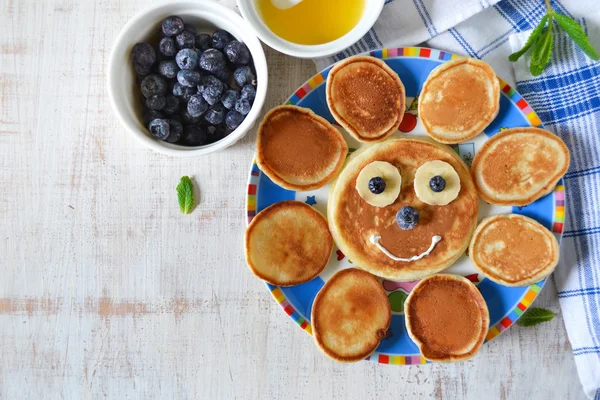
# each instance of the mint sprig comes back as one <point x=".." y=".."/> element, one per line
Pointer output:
<point x="541" y="40"/>
<point x="185" y="195"/>
<point x="534" y="316"/>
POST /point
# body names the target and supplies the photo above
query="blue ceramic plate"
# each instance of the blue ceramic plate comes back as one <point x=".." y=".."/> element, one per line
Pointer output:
<point x="505" y="304"/>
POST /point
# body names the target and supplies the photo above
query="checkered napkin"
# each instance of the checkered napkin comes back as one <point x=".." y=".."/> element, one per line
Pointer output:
<point x="567" y="99"/>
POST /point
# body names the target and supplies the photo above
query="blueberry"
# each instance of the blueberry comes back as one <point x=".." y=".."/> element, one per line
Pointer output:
<point x="156" y="102"/>
<point x="377" y="185"/>
<point x="143" y="57"/>
<point x="190" y="28"/>
<point x="187" y="59"/>
<point x="183" y="92"/>
<point x="212" y="89"/>
<point x="223" y="74"/>
<point x="437" y="183"/>
<point x="185" y="40"/>
<point x="214" y="133"/>
<point x="176" y="129"/>
<point x="230" y="97"/>
<point x="176" y="117"/>
<point x="220" y="39"/>
<point x="153" y="85"/>
<point x="249" y="92"/>
<point x="215" y="114"/>
<point x="187" y="118"/>
<point x="243" y="76"/>
<point x="172" y="26"/>
<point x="197" y="106"/>
<point x="168" y="69"/>
<point x="233" y="119"/>
<point x="188" y="78"/>
<point x="243" y="106"/>
<point x="167" y="47"/>
<point x="171" y="105"/>
<point x="159" y="128"/>
<point x="212" y="61"/>
<point x="150" y="115"/>
<point x="407" y="218"/>
<point x="237" y="52"/>
<point x="193" y="135"/>
<point x="203" y="41"/>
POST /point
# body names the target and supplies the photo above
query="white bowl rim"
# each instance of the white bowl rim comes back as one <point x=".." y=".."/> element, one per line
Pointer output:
<point x="260" y="67"/>
<point x="311" y="51"/>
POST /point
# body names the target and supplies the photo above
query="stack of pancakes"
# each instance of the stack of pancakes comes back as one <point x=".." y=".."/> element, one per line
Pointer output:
<point x="290" y="243"/>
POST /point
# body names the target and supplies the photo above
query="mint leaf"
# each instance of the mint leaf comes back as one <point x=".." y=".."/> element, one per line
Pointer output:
<point x="577" y="34"/>
<point x="540" y="57"/>
<point x="537" y="31"/>
<point x="185" y="195"/>
<point x="534" y="316"/>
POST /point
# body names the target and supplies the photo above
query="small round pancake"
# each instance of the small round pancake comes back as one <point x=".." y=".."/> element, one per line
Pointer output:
<point x="299" y="150"/>
<point x="513" y="250"/>
<point x="447" y="318"/>
<point x="366" y="97"/>
<point x="288" y="243"/>
<point x="519" y="165"/>
<point x="459" y="99"/>
<point x="350" y="315"/>
<point x="353" y="221"/>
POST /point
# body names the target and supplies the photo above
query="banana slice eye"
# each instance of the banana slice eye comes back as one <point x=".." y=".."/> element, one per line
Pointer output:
<point x="379" y="183"/>
<point x="437" y="183"/>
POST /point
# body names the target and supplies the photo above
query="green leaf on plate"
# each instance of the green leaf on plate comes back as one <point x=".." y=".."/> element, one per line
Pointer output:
<point x="577" y="34"/>
<point x="534" y="316"/>
<point x="537" y="31"/>
<point x="185" y="195"/>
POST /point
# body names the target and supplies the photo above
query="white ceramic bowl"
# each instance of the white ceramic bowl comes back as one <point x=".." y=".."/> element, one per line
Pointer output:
<point x="123" y="91"/>
<point x="370" y="14"/>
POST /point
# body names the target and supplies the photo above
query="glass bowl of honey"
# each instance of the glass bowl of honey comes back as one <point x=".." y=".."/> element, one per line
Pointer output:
<point x="310" y="28"/>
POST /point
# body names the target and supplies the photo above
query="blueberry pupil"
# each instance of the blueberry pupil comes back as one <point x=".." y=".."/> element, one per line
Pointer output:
<point x="377" y="185"/>
<point x="437" y="183"/>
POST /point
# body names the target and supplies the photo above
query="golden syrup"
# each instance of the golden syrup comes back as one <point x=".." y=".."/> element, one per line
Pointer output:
<point x="312" y="21"/>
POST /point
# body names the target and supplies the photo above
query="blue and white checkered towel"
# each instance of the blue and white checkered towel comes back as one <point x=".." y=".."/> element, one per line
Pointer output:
<point x="567" y="99"/>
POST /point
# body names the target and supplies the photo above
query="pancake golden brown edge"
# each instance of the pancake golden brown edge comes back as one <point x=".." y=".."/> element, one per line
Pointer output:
<point x="299" y="150"/>
<point x="514" y="250"/>
<point x="352" y="220"/>
<point x="458" y="100"/>
<point x="288" y="243"/>
<point x="519" y="165"/>
<point x="447" y="318"/>
<point x="350" y="315"/>
<point x="366" y="97"/>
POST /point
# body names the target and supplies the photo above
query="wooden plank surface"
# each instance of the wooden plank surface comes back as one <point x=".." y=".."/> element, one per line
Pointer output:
<point x="106" y="290"/>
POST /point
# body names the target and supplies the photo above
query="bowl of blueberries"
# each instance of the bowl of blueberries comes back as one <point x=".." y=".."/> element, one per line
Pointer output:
<point x="187" y="78"/>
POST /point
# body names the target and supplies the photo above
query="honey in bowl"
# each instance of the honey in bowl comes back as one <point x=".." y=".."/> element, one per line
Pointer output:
<point x="311" y="22"/>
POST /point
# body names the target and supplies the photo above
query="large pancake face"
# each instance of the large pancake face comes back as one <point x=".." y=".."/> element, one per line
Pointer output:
<point x="350" y="315"/>
<point x="288" y="243"/>
<point x="459" y="99"/>
<point x="352" y="220"/>
<point x="299" y="150"/>
<point x="513" y="250"/>
<point x="519" y="165"/>
<point x="447" y="318"/>
<point x="366" y="97"/>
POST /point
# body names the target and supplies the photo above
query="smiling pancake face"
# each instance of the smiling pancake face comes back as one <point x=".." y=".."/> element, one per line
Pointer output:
<point x="353" y="221"/>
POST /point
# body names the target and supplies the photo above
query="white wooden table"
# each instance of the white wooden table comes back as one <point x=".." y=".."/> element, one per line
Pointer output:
<point x="106" y="290"/>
